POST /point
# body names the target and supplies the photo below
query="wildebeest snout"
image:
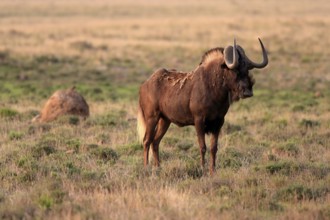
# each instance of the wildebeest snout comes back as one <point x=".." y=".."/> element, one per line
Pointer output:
<point x="247" y="93"/>
<point x="245" y="90"/>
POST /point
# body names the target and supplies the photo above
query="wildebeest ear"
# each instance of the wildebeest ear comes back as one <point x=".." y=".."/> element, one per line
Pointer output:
<point x="223" y="63"/>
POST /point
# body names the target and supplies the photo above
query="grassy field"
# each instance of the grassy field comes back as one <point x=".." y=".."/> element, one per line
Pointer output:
<point x="274" y="157"/>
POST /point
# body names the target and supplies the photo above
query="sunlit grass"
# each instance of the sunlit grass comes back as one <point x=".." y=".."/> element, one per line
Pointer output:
<point x="273" y="160"/>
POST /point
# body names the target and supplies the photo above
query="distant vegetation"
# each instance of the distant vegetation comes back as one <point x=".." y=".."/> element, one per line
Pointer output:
<point x="274" y="155"/>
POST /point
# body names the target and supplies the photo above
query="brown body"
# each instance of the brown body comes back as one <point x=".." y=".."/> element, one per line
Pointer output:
<point x="200" y="98"/>
<point x="63" y="102"/>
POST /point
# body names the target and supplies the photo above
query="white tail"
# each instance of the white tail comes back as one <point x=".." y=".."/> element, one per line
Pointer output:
<point x="141" y="125"/>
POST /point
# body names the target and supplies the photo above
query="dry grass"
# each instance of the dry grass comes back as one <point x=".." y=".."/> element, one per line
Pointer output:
<point x="274" y="155"/>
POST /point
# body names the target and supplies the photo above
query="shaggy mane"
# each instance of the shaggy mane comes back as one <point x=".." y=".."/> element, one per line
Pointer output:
<point x="212" y="54"/>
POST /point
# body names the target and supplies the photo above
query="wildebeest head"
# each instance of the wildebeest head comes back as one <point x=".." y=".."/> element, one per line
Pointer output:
<point x="237" y="66"/>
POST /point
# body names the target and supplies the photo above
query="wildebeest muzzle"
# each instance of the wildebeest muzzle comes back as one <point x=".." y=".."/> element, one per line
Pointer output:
<point x="247" y="93"/>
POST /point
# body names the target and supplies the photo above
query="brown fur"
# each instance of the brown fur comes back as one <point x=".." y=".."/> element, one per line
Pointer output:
<point x="200" y="98"/>
<point x="63" y="102"/>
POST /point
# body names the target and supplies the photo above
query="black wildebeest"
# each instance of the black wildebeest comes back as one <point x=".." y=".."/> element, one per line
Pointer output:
<point x="200" y="98"/>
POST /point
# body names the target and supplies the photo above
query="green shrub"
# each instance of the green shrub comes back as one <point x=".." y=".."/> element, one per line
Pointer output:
<point x="319" y="170"/>
<point x="2" y="197"/>
<point x="58" y="195"/>
<point x="276" y="167"/>
<point x="230" y="158"/>
<point x="184" y="145"/>
<point x="30" y="114"/>
<point x="281" y="123"/>
<point x="298" y="108"/>
<point x="283" y="167"/>
<point x="92" y="175"/>
<point x="45" y="202"/>
<point x="32" y="129"/>
<point x="174" y="172"/>
<point x="73" y="144"/>
<point x="68" y="119"/>
<point x="275" y="206"/>
<point x="130" y="149"/>
<point x="171" y="141"/>
<point x="82" y="45"/>
<point x="325" y="213"/>
<point x="4" y="54"/>
<point x="290" y="149"/>
<point x="231" y="128"/>
<point x="103" y="138"/>
<point x="72" y="169"/>
<point x="105" y="154"/>
<point x="28" y="176"/>
<point x="300" y="192"/>
<point x="109" y="120"/>
<point x="42" y="150"/>
<point x="8" y="113"/>
<point x="307" y="123"/>
<point x="22" y="161"/>
<point x="74" y="120"/>
<point x="194" y="169"/>
<point x="15" y="135"/>
<point x="45" y="146"/>
<point x="52" y="59"/>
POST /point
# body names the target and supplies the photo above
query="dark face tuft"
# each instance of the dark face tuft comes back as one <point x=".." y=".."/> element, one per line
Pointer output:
<point x="241" y="82"/>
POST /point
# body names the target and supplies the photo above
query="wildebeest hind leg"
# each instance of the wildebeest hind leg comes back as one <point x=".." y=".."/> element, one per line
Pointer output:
<point x="162" y="127"/>
<point x="149" y="137"/>
<point x="214" y="149"/>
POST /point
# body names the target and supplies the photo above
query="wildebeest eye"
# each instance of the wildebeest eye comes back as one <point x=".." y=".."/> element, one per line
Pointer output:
<point x="252" y="78"/>
<point x="237" y="72"/>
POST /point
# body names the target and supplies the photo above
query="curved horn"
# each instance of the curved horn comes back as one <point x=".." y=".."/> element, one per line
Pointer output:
<point x="264" y="61"/>
<point x="231" y="56"/>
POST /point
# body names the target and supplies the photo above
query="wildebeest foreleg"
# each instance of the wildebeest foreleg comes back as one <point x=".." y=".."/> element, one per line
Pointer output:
<point x="148" y="137"/>
<point x="162" y="127"/>
<point x="199" y="126"/>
